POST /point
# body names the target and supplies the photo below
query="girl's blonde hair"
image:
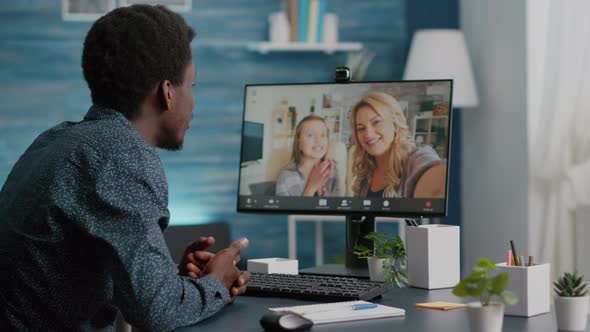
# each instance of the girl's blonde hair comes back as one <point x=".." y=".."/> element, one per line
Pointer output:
<point x="402" y="146"/>
<point x="296" y="153"/>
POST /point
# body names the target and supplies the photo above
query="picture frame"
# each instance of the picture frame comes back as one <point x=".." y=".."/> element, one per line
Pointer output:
<point x="174" y="5"/>
<point x="91" y="10"/>
<point x="85" y="10"/>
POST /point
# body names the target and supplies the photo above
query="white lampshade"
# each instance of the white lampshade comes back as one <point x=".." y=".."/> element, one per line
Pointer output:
<point x="442" y="54"/>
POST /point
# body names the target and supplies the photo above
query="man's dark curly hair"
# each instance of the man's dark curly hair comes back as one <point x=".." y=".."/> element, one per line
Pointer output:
<point x="130" y="50"/>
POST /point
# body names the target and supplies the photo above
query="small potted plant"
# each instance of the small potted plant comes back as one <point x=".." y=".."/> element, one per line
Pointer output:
<point x="571" y="303"/>
<point x="387" y="262"/>
<point x="485" y="315"/>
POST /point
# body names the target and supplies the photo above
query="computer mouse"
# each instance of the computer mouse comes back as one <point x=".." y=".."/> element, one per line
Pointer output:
<point x="280" y="321"/>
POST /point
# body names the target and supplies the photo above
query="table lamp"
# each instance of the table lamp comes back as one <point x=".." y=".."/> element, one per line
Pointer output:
<point x="442" y="54"/>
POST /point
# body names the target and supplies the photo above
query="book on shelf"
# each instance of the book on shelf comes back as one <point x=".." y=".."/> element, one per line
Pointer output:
<point x="306" y="20"/>
<point x="292" y="14"/>
<point x="302" y="24"/>
<point x="321" y="12"/>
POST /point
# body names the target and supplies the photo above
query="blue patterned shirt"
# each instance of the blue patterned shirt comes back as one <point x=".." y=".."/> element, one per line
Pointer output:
<point x="81" y="220"/>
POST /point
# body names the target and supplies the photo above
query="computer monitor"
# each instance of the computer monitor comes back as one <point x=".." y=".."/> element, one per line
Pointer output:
<point x="358" y="149"/>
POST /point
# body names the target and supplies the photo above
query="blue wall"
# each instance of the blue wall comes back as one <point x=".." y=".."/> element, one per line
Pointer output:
<point x="41" y="85"/>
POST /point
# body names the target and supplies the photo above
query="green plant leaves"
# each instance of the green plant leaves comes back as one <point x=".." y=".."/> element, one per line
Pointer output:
<point x="362" y="252"/>
<point x="499" y="283"/>
<point x="570" y="285"/>
<point x="478" y="284"/>
<point x="392" y="249"/>
<point x="472" y="285"/>
<point x="384" y="247"/>
<point x="581" y="291"/>
<point x="399" y="249"/>
<point x="484" y="265"/>
<point x="508" y="297"/>
<point x="394" y="272"/>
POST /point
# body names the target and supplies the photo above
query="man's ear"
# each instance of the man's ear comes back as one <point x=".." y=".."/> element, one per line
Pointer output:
<point x="165" y="94"/>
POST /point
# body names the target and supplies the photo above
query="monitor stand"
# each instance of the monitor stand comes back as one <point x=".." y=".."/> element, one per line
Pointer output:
<point x="357" y="227"/>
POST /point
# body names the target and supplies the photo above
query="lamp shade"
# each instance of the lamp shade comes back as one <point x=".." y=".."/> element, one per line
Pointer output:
<point x="442" y="54"/>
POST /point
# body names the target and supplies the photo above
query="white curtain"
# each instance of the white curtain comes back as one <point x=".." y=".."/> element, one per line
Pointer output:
<point x="560" y="140"/>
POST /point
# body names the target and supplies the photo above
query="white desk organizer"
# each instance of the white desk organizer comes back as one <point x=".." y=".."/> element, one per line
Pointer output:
<point x="433" y="256"/>
<point x="532" y="285"/>
<point x="274" y="265"/>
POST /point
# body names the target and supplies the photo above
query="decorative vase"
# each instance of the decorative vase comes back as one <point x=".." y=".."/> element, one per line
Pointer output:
<point x="388" y="270"/>
<point x="279" y="29"/>
<point x="487" y="318"/>
<point x="571" y="313"/>
<point x="330" y="29"/>
<point x="376" y="268"/>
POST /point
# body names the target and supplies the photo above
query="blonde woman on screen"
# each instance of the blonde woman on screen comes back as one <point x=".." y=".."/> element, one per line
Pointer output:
<point x="386" y="161"/>
<point x="309" y="173"/>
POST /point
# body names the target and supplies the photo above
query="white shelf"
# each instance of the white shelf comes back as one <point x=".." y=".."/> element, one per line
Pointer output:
<point x="432" y="116"/>
<point x="265" y="47"/>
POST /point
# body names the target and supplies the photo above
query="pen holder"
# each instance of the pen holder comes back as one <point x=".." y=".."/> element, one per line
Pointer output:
<point x="433" y="256"/>
<point x="532" y="286"/>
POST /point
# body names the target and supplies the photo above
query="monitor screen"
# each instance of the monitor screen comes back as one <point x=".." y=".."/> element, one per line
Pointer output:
<point x="252" y="139"/>
<point x="360" y="148"/>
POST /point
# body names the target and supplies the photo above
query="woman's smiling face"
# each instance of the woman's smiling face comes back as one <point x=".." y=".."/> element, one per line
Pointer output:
<point x="374" y="133"/>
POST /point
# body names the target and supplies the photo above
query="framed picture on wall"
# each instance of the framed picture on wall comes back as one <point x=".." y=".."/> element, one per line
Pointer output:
<point x="174" y="5"/>
<point x="85" y="10"/>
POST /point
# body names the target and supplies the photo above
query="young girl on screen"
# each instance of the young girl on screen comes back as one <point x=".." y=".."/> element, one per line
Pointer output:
<point x="309" y="173"/>
<point x="386" y="161"/>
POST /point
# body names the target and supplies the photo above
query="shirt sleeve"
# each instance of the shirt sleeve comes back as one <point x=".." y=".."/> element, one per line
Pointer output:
<point x="130" y="200"/>
<point x="418" y="163"/>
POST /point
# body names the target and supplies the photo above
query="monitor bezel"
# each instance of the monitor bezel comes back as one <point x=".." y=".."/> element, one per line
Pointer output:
<point x="334" y="212"/>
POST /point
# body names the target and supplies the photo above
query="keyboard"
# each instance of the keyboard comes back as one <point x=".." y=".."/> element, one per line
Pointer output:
<point x="314" y="287"/>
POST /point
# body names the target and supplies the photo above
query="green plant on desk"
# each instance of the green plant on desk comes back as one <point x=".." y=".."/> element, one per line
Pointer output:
<point x="393" y="253"/>
<point x="570" y="285"/>
<point x="479" y="284"/>
<point x="571" y="303"/>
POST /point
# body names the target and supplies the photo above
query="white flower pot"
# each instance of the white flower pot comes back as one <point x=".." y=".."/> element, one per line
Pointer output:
<point x="571" y="313"/>
<point x="376" y="268"/>
<point x="485" y="318"/>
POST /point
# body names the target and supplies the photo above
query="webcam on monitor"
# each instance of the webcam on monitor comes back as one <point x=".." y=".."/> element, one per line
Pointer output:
<point x="342" y="75"/>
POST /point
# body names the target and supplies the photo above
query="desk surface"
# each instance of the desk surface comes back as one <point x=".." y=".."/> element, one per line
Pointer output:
<point x="245" y="313"/>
